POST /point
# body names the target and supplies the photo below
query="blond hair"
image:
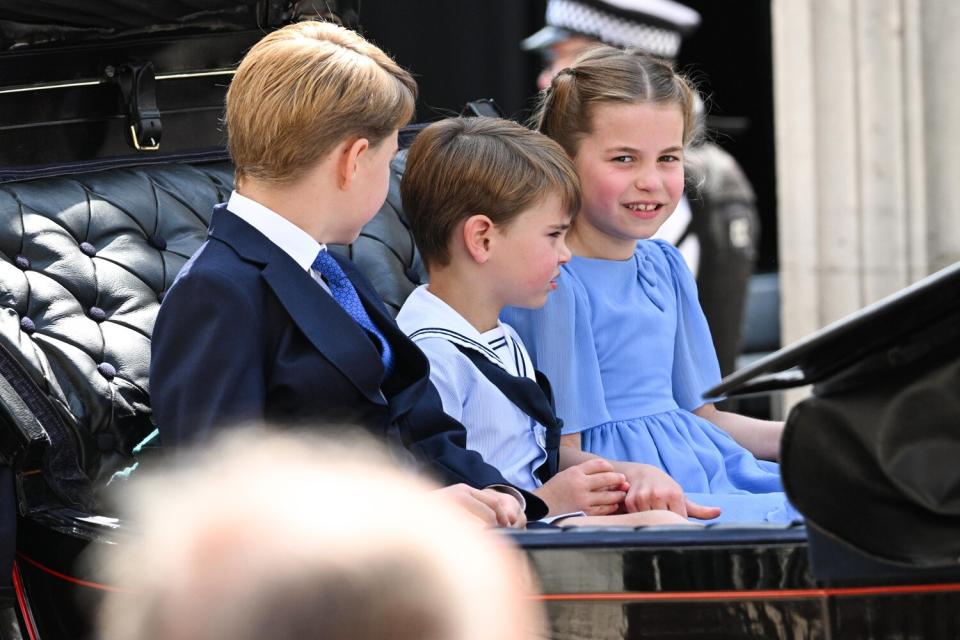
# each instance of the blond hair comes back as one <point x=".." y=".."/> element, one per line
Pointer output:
<point x="606" y="74"/>
<point x="263" y="536"/>
<point x="305" y="88"/>
<point x="463" y="166"/>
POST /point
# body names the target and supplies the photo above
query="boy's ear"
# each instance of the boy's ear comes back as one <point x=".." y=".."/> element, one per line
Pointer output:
<point x="348" y="160"/>
<point x="477" y="235"/>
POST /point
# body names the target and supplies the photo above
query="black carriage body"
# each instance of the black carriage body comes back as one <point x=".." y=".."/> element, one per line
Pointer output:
<point x="717" y="583"/>
<point x="78" y="198"/>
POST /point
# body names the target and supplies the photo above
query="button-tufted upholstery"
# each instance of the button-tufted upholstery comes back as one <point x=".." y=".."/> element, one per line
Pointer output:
<point x="86" y="260"/>
<point x="84" y="263"/>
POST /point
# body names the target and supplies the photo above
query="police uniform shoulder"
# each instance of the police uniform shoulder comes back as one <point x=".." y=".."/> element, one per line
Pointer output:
<point x="713" y="170"/>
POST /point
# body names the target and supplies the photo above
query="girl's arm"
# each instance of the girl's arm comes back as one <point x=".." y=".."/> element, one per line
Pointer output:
<point x="759" y="437"/>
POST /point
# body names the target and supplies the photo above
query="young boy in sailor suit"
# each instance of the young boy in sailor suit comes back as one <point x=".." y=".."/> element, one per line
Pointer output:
<point x="263" y="324"/>
<point x="489" y="203"/>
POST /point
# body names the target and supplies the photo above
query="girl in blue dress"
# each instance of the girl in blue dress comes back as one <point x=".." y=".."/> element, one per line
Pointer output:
<point x="623" y="339"/>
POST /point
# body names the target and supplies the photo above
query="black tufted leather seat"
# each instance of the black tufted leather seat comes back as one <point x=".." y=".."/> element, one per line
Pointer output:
<point x="84" y="262"/>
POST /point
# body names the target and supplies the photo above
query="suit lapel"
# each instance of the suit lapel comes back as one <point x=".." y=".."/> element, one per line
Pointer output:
<point x="368" y="295"/>
<point x="410" y="375"/>
<point x="325" y="324"/>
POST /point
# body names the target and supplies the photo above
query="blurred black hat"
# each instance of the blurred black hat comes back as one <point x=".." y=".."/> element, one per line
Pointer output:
<point x="654" y="26"/>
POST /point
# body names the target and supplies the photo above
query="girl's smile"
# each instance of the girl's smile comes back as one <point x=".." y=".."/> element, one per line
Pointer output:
<point x="631" y="172"/>
<point x="644" y="210"/>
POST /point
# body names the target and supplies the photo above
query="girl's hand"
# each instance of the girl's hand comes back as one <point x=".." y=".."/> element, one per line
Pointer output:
<point x="651" y="488"/>
<point x="639" y="519"/>
<point x="592" y="487"/>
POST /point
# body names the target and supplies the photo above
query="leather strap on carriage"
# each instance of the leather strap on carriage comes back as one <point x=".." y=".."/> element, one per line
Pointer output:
<point x="138" y="86"/>
<point x="533" y="398"/>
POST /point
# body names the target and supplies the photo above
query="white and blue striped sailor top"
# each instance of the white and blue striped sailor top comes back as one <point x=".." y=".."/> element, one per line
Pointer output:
<point x="497" y="429"/>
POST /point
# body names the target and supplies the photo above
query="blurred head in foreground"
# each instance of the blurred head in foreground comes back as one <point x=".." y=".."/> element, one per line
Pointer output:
<point x="287" y="537"/>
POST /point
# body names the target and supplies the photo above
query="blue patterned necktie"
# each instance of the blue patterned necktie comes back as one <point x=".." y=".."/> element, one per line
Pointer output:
<point x="346" y="296"/>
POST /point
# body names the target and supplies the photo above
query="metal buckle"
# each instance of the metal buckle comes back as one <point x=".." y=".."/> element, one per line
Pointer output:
<point x="153" y="146"/>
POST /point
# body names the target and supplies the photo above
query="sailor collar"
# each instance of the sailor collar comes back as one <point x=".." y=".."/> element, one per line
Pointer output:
<point x="426" y="316"/>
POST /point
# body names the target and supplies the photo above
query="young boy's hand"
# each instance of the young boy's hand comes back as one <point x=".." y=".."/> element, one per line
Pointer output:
<point x="651" y="488"/>
<point x="491" y="507"/>
<point x="592" y="487"/>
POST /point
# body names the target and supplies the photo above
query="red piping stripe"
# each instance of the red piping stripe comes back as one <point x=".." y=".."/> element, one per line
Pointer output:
<point x="639" y="596"/>
<point x="22" y="601"/>
<point x="63" y="576"/>
<point x="753" y="595"/>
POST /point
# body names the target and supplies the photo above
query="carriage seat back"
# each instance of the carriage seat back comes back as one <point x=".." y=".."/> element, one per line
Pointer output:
<point x="85" y="260"/>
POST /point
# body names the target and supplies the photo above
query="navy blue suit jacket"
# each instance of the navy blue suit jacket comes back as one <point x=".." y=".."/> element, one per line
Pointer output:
<point x="246" y="335"/>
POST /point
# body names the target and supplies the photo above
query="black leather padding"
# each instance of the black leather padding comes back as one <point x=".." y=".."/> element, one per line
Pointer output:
<point x="84" y="263"/>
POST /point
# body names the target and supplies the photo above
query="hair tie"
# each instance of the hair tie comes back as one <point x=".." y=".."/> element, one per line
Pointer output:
<point x="559" y="78"/>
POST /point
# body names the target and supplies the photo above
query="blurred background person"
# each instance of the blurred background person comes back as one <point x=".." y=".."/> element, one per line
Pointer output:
<point x="715" y="226"/>
<point x="285" y="536"/>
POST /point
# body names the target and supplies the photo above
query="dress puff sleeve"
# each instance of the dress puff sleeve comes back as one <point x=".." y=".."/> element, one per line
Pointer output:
<point x="559" y="338"/>
<point x="695" y="365"/>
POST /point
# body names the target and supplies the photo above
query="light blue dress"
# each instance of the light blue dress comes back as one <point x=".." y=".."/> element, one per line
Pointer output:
<point x="629" y="354"/>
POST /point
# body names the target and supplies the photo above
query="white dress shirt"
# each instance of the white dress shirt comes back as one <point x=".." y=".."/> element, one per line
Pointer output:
<point x="294" y="241"/>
